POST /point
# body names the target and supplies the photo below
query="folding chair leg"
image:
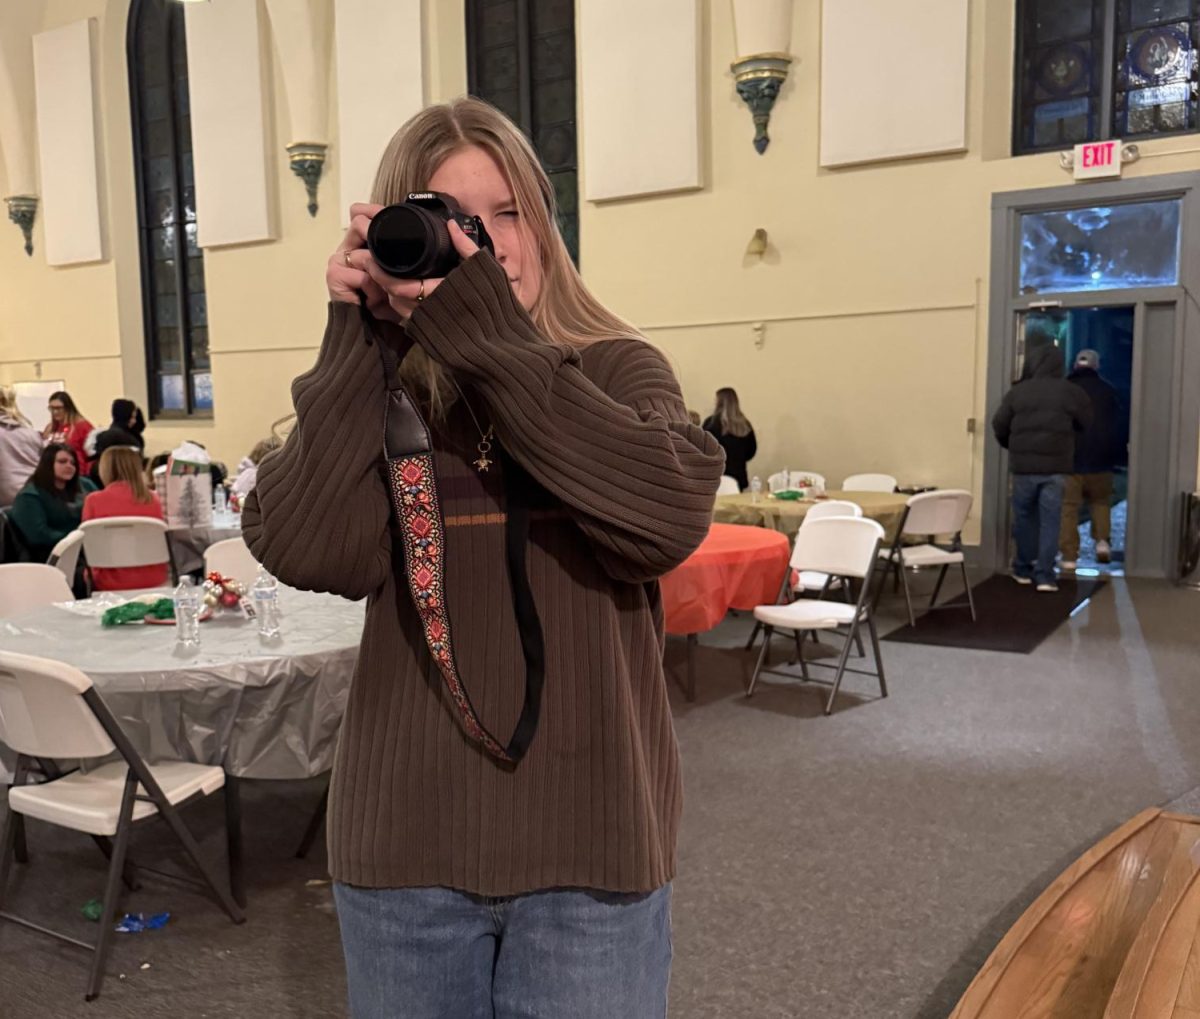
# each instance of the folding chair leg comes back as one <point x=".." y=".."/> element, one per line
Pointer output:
<point x="850" y="601"/>
<point x="841" y="668"/>
<point x="970" y="594"/>
<point x="799" y="649"/>
<point x="8" y="842"/>
<point x="762" y="657"/>
<point x="803" y="663"/>
<point x="233" y="838"/>
<point x="938" y="586"/>
<point x="754" y="635"/>
<point x="314" y="826"/>
<point x="128" y="872"/>
<point x="112" y="887"/>
<point x="21" y="849"/>
<point x="171" y="816"/>
<point x="912" y="619"/>
<point x="878" y="655"/>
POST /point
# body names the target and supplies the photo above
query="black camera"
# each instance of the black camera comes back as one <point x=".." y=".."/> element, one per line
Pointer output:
<point x="412" y="240"/>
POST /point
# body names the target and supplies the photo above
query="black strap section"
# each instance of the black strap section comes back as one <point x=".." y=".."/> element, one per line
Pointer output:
<point x="518" y="487"/>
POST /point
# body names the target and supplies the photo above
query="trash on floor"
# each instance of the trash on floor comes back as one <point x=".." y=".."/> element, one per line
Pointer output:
<point x="92" y="909"/>
<point x="135" y="923"/>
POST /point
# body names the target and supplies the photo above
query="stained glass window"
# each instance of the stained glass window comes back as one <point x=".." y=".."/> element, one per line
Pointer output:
<point x="1084" y="74"/>
<point x="521" y="59"/>
<point x="1135" y="244"/>
<point x="175" y="311"/>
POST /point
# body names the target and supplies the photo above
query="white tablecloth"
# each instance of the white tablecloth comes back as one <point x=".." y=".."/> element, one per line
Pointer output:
<point x="262" y="709"/>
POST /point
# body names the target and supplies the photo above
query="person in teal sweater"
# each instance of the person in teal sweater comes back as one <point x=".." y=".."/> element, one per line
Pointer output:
<point x="50" y="506"/>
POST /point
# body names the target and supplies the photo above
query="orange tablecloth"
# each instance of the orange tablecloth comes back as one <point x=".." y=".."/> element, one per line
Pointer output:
<point x="735" y="567"/>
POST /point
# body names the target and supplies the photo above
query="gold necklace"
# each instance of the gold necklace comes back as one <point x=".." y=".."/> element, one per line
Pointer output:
<point x="485" y="438"/>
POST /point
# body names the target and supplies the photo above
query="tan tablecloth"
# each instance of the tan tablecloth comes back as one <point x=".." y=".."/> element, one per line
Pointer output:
<point x="783" y="516"/>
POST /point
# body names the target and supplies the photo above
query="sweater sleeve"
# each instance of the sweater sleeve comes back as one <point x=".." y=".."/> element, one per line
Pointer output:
<point x="617" y="448"/>
<point x="29" y="514"/>
<point x="318" y="516"/>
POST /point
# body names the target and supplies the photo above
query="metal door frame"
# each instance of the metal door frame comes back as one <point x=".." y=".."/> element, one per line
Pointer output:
<point x="1004" y="304"/>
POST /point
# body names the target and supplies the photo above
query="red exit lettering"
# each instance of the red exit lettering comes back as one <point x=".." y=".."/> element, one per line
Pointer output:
<point x="1099" y="155"/>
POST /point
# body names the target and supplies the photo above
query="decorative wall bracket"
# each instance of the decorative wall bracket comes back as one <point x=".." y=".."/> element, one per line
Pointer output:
<point x="22" y="210"/>
<point x="759" y="79"/>
<point x="307" y="160"/>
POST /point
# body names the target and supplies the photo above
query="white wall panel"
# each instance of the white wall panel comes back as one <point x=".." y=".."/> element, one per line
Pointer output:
<point x="893" y="79"/>
<point x="379" y="85"/>
<point x="228" y="105"/>
<point x="640" y="96"/>
<point x="66" y="123"/>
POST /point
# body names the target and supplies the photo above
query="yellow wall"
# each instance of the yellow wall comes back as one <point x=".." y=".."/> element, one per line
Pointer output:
<point x="873" y="291"/>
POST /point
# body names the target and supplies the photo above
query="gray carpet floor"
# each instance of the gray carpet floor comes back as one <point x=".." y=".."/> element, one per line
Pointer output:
<point x="862" y="865"/>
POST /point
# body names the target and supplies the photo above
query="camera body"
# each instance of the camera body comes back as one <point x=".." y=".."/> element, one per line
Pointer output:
<point x="412" y="240"/>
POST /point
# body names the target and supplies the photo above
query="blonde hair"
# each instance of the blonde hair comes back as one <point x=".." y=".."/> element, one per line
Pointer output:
<point x="9" y="407"/>
<point x="565" y="310"/>
<point x="729" y="414"/>
<point x="262" y="448"/>
<point x="120" y="463"/>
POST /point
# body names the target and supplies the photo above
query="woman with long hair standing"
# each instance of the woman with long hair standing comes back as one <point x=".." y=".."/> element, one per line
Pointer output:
<point x="731" y="429"/>
<point x="125" y="494"/>
<point x="20" y="447"/>
<point x="539" y="474"/>
<point x="50" y="506"/>
<point x="69" y="427"/>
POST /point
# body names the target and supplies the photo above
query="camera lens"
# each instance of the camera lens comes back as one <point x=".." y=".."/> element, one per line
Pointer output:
<point x="404" y="240"/>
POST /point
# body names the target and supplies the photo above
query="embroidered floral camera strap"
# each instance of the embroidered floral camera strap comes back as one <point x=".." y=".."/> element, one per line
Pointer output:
<point x="413" y="491"/>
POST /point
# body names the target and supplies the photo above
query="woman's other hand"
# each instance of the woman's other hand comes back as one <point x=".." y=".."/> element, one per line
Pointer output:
<point x="344" y="272"/>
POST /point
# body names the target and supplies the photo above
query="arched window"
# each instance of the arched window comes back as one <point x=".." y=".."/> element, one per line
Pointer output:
<point x="521" y="59"/>
<point x="179" y="373"/>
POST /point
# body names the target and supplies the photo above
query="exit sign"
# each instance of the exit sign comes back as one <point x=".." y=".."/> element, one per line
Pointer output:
<point x="1098" y="159"/>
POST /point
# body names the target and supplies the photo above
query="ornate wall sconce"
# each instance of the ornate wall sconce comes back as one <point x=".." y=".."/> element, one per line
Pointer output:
<point x="307" y="160"/>
<point x="22" y="210"/>
<point x="763" y="33"/>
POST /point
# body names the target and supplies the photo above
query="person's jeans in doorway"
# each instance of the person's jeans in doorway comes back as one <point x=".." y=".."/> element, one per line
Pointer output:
<point x="1037" y="512"/>
<point x="435" y="953"/>
<point x="1096" y="490"/>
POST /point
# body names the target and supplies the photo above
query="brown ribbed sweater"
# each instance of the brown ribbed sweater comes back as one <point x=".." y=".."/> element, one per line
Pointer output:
<point x="625" y="493"/>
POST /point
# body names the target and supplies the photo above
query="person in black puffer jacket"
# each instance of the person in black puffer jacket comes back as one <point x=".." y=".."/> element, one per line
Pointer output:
<point x="1037" y="423"/>
<point x="126" y="430"/>
<point x="1101" y="448"/>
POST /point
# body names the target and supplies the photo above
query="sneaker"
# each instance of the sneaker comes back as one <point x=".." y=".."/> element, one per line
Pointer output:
<point x="1023" y="581"/>
<point x="1103" y="552"/>
<point x="1067" y="564"/>
<point x="1048" y="588"/>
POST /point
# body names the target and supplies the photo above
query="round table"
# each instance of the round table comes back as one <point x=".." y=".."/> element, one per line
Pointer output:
<point x="785" y="516"/>
<point x="260" y="709"/>
<point x="735" y="567"/>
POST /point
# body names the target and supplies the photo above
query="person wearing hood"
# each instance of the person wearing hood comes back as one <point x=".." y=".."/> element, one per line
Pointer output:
<point x="20" y="447"/>
<point x="1037" y="423"/>
<point x="1098" y="451"/>
<point x="126" y="430"/>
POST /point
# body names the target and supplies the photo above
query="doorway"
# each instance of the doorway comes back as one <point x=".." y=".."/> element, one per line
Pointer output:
<point x="1107" y="267"/>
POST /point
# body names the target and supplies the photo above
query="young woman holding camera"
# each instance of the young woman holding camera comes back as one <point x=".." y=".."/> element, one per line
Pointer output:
<point x="541" y="474"/>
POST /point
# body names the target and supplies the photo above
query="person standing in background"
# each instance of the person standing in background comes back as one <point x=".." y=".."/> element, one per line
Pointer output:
<point x="124" y="431"/>
<point x="20" y="447"/>
<point x="1101" y="447"/>
<point x="69" y="427"/>
<point x="1037" y="423"/>
<point x="728" y="425"/>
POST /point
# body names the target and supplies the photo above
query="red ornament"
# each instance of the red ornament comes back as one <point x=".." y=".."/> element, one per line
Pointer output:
<point x="229" y="599"/>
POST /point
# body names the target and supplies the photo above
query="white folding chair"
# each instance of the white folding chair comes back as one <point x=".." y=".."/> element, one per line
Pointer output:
<point x="728" y="486"/>
<point x="869" y="483"/>
<point x="50" y="711"/>
<point x="27" y="586"/>
<point x="65" y="555"/>
<point x="844" y="547"/>
<point x="931" y="515"/>
<point x="231" y="558"/>
<point x="115" y="542"/>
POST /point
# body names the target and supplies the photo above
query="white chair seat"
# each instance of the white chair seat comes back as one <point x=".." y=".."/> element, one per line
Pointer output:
<point x="91" y="802"/>
<point x="806" y="615"/>
<point x="811" y="580"/>
<point x="924" y="555"/>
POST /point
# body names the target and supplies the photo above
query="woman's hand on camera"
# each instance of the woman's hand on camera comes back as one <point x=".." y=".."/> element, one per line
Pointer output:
<point x="403" y="296"/>
<point x="345" y="274"/>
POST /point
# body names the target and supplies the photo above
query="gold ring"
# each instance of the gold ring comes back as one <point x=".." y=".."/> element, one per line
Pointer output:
<point x="346" y="259"/>
<point x="421" y="293"/>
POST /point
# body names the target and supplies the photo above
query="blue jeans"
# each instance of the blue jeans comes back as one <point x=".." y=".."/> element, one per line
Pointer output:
<point x="434" y="953"/>
<point x="1037" y="511"/>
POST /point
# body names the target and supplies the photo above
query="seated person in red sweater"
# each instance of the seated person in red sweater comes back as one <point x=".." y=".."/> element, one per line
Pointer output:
<point x="125" y="494"/>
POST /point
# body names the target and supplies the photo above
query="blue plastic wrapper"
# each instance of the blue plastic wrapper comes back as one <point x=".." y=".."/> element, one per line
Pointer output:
<point x="135" y="923"/>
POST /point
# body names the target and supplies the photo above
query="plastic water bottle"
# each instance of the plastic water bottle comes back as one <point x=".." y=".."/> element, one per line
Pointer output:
<point x="787" y="479"/>
<point x="266" y="603"/>
<point x="188" y="599"/>
<point x="755" y="488"/>
<point x="219" y="500"/>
